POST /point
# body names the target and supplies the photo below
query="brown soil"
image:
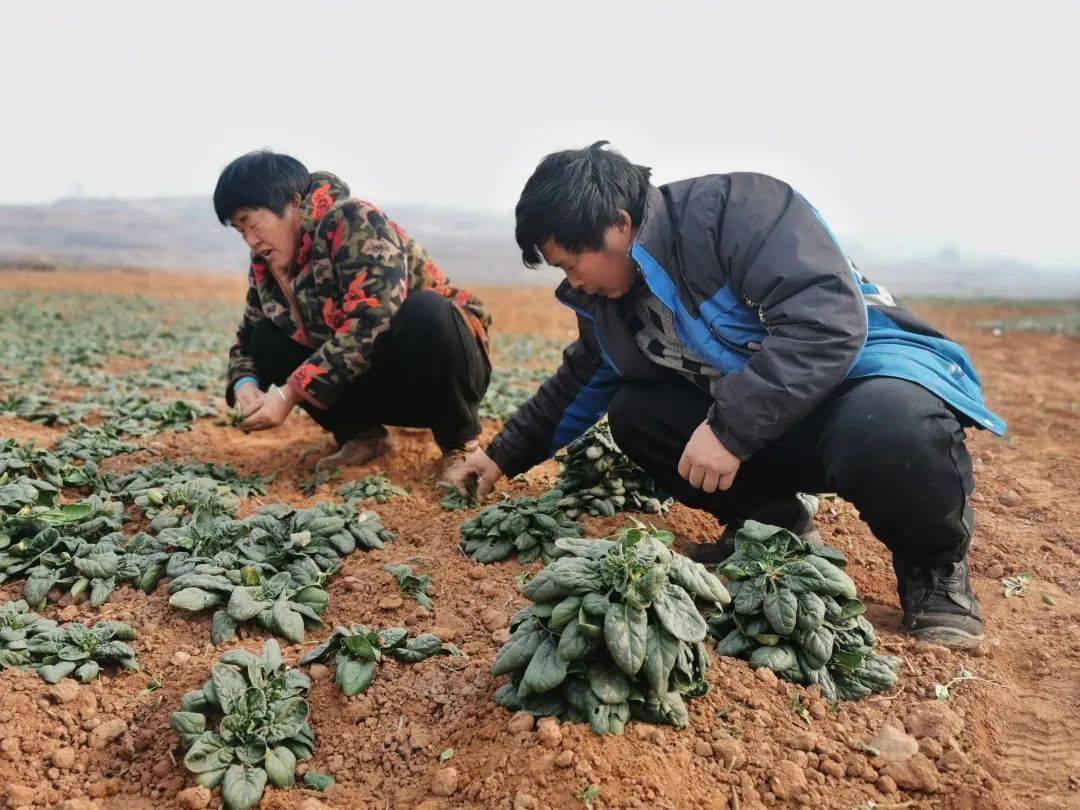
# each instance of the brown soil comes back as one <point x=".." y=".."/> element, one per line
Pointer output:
<point x="1007" y="740"/>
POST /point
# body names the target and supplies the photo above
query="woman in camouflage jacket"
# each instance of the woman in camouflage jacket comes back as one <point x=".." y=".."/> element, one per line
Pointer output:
<point x="346" y="316"/>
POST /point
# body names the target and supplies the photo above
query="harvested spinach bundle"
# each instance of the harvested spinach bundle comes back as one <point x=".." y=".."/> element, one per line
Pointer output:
<point x="796" y="611"/>
<point x="371" y="488"/>
<point x="356" y="650"/>
<point x="263" y="730"/>
<point x="527" y="527"/>
<point x="598" y="479"/>
<point x="615" y="631"/>
<point x="78" y="650"/>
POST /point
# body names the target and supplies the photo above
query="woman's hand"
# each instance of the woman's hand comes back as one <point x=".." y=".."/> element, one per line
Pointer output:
<point x="248" y="399"/>
<point x="706" y="463"/>
<point x="276" y="405"/>
<point x="477" y="464"/>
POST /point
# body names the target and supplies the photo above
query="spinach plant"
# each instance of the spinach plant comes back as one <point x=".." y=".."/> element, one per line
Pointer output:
<point x="78" y="650"/>
<point x="411" y="585"/>
<point x="247" y="726"/>
<point x="356" y="650"/>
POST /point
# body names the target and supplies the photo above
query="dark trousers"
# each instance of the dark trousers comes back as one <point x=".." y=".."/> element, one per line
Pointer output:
<point x="427" y="371"/>
<point x="890" y="447"/>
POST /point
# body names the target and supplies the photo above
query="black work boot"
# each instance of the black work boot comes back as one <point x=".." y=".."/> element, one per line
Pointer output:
<point x="939" y="605"/>
<point x="794" y="513"/>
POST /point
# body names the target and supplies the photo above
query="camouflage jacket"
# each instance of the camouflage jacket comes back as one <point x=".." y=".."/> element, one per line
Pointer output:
<point x="352" y="272"/>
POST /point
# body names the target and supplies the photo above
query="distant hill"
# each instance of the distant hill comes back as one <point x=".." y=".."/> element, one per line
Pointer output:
<point x="183" y="232"/>
<point x="472" y="247"/>
<point x="948" y="274"/>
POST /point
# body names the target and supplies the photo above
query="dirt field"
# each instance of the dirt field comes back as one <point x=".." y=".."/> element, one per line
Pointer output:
<point x="1004" y="740"/>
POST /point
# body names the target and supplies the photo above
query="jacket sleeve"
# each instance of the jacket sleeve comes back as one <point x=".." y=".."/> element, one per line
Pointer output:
<point x="783" y="261"/>
<point x="569" y="402"/>
<point x="240" y="362"/>
<point x="355" y="245"/>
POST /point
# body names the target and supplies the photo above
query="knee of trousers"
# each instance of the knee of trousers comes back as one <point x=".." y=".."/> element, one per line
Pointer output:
<point x="912" y="462"/>
<point x="427" y="321"/>
<point x="425" y="307"/>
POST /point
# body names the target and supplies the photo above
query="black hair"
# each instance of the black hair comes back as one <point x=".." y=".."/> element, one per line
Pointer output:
<point x="576" y="195"/>
<point x="262" y="179"/>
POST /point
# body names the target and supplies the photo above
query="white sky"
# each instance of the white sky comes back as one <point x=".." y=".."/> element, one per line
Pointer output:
<point x="909" y="125"/>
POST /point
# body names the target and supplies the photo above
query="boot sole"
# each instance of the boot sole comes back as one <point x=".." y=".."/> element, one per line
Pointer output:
<point x="952" y="637"/>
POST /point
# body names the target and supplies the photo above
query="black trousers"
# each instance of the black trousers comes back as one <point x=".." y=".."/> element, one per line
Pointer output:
<point x="427" y="371"/>
<point x="888" y="446"/>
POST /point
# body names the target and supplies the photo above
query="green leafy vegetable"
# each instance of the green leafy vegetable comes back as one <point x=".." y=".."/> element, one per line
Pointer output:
<point x="598" y="479"/>
<point x="29" y="642"/>
<point x="167" y="475"/>
<point x="796" y="611"/>
<point x="18" y="624"/>
<point x="262" y="728"/>
<point x="454" y="500"/>
<point x="278" y="603"/>
<point x="1016" y="585"/>
<point x="371" y="488"/>
<point x="357" y="650"/>
<point x="318" y="781"/>
<point x="527" y="527"/>
<point x="310" y="485"/>
<point x="615" y="630"/>
<point x="270" y="568"/>
<point x="411" y="585"/>
<point x="33" y="462"/>
<point x="589" y="795"/>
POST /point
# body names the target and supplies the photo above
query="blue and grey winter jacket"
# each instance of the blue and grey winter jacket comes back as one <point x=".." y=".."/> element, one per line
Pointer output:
<point x="759" y="287"/>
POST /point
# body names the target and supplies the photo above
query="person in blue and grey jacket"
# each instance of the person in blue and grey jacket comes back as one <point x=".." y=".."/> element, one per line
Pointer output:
<point x="742" y="359"/>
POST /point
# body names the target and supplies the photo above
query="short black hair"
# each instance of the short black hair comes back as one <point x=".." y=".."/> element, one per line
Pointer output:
<point x="576" y="195"/>
<point x="262" y="179"/>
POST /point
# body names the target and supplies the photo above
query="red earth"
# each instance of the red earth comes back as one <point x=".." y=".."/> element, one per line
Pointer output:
<point x="431" y="736"/>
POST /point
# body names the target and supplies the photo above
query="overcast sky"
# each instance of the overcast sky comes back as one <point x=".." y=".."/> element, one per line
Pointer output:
<point x="909" y="125"/>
